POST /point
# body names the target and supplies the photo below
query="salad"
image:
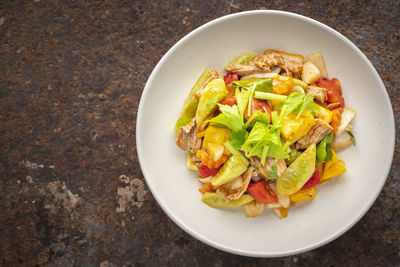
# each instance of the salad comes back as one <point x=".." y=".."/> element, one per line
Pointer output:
<point x="264" y="133"/>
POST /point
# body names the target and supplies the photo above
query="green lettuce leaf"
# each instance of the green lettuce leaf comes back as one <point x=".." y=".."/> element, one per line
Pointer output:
<point x="242" y="98"/>
<point x="253" y="85"/>
<point x="297" y="102"/>
<point x="273" y="173"/>
<point x="230" y="117"/>
<point x="257" y="116"/>
<point x="308" y="100"/>
<point x="237" y="138"/>
<point x="259" y="85"/>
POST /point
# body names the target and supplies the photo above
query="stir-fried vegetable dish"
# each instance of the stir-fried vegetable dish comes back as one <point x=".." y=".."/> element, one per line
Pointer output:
<point x="264" y="132"/>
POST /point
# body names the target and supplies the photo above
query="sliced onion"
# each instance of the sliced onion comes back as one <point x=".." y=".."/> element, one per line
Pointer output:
<point x="276" y="69"/>
<point x="205" y="180"/>
<point x="347" y="116"/>
<point x="273" y="206"/>
<point x="298" y="89"/>
<point x="342" y="141"/>
<point x="284" y="200"/>
<point x="263" y="75"/>
<point x="287" y="56"/>
<point x="236" y="183"/>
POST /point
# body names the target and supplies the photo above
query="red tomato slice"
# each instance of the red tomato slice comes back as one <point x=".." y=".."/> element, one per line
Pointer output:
<point x="230" y="77"/>
<point x="333" y="90"/>
<point x="206" y="172"/>
<point x="258" y="104"/>
<point x="314" y="180"/>
<point x="261" y="192"/>
<point x="230" y="101"/>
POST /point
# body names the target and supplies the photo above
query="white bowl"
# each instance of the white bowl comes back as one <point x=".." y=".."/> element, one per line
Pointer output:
<point x="337" y="206"/>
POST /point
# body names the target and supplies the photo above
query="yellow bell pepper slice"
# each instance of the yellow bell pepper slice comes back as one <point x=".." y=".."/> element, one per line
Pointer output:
<point x="283" y="85"/>
<point x="304" y="194"/>
<point x="293" y="129"/>
<point x="216" y="135"/>
<point x="323" y="113"/>
<point x="333" y="168"/>
<point x="215" y="150"/>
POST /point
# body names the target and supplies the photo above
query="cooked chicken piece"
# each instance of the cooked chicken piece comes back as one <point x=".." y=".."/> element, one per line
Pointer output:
<point x="319" y="93"/>
<point x="236" y="188"/>
<point x="214" y="75"/>
<point x="268" y="62"/>
<point x="287" y="56"/>
<point x="333" y="106"/>
<point x="187" y="139"/>
<point x="292" y="63"/>
<point x="292" y="66"/>
<point x="244" y="69"/>
<point x="281" y="166"/>
<point x="195" y="160"/>
<point x="263" y="170"/>
<point x="318" y="131"/>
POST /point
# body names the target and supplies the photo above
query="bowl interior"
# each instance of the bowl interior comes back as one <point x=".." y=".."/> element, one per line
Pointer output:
<point x="338" y="204"/>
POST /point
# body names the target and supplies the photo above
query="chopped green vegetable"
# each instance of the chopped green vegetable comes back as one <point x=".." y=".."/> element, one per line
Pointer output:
<point x="300" y="83"/>
<point x="259" y="85"/>
<point x="324" y="149"/>
<point x="297" y="102"/>
<point x="273" y="173"/>
<point x="293" y="102"/>
<point x="264" y="140"/>
<point x="237" y="138"/>
<point x="253" y="85"/>
<point x="242" y="98"/>
<point x="257" y="116"/>
<point x="353" y="139"/>
<point x="308" y="100"/>
<point x="191" y="102"/>
<point x="269" y="96"/>
<point x="230" y="117"/>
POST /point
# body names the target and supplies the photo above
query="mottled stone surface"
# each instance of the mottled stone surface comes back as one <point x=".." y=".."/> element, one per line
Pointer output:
<point x="71" y="76"/>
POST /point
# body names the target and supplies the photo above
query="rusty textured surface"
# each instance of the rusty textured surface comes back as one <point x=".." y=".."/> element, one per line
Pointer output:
<point x="71" y="76"/>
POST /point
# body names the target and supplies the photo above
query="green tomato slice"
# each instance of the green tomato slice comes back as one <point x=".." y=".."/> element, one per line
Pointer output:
<point x="215" y="201"/>
<point x="235" y="166"/>
<point x="298" y="173"/>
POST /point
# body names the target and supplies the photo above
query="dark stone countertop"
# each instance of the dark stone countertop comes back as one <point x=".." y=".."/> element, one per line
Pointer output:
<point x="71" y="76"/>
